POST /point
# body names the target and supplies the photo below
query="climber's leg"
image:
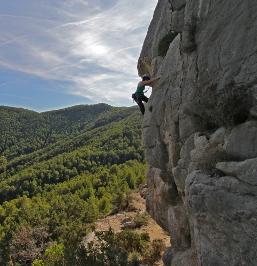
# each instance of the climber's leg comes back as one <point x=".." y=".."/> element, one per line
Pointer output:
<point x="141" y="105"/>
<point x="144" y="98"/>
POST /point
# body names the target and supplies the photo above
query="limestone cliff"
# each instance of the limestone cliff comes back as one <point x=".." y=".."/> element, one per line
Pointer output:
<point x="200" y="129"/>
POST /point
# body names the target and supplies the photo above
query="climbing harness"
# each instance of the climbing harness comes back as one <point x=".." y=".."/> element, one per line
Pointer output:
<point x="134" y="95"/>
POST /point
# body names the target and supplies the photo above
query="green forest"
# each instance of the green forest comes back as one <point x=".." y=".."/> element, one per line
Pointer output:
<point x="60" y="171"/>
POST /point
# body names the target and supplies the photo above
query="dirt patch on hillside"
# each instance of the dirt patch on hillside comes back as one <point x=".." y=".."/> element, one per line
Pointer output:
<point x="137" y="206"/>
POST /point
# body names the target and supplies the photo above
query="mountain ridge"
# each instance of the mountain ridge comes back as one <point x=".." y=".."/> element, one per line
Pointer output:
<point x="48" y="127"/>
<point x="54" y="109"/>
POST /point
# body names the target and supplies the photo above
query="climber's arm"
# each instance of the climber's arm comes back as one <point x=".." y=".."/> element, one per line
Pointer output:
<point x="150" y="82"/>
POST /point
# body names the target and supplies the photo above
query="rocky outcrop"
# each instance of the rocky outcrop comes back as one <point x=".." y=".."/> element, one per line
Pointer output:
<point x="200" y="129"/>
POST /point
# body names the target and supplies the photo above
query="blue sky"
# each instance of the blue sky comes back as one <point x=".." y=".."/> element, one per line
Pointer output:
<point x="57" y="53"/>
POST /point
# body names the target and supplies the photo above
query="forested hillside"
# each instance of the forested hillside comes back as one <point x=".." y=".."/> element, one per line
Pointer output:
<point x="23" y="131"/>
<point x="59" y="172"/>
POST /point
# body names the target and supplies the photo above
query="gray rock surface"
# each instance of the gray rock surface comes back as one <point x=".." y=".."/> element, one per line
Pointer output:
<point x="223" y="219"/>
<point x="245" y="171"/>
<point x="177" y="20"/>
<point x="200" y="130"/>
<point x="242" y="142"/>
<point x="177" y="4"/>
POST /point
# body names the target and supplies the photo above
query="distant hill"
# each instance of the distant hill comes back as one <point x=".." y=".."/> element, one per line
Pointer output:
<point x="23" y="131"/>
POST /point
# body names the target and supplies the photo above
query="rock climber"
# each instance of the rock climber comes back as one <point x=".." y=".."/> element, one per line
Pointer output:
<point x="139" y="96"/>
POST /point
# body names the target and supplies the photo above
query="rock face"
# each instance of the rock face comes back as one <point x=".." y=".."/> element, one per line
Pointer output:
<point x="200" y="129"/>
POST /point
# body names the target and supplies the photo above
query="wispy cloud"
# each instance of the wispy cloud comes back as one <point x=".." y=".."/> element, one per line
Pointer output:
<point x="92" y="44"/>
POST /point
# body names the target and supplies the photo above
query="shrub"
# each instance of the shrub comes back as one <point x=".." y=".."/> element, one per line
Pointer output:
<point x="122" y="200"/>
<point x="115" y="249"/>
<point x="153" y="254"/>
<point x="134" y="259"/>
<point x="55" y="255"/>
<point x="28" y="244"/>
<point x="141" y="219"/>
<point x="38" y="262"/>
<point x="132" y="241"/>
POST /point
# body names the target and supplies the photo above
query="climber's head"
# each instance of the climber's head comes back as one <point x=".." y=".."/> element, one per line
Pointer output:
<point x="146" y="77"/>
